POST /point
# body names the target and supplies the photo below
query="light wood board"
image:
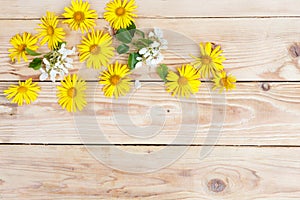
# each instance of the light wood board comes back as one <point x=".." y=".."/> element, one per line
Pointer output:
<point x="163" y="8"/>
<point x="256" y="49"/>
<point x="247" y="116"/>
<point x="70" y="172"/>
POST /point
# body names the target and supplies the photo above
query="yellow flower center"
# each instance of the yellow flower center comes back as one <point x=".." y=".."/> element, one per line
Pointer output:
<point x="120" y="11"/>
<point x="50" y="30"/>
<point x="21" y="47"/>
<point x="78" y="16"/>
<point x="95" y="49"/>
<point x="72" y="92"/>
<point x="224" y="82"/>
<point x="182" y="81"/>
<point x="115" y="79"/>
<point x="206" y="60"/>
<point x="22" y="89"/>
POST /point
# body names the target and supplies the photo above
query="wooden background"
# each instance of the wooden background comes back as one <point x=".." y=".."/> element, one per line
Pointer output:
<point x="256" y="156"/>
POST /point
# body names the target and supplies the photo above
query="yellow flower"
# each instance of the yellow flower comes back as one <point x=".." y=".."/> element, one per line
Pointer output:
<point x="50" y="32"/>
<point x="20" y="43"/>
<point x="184" y="84"/>
<point x="224" y="81"/>
<point x="120" y="13"/>
<point x="96" y="49"/>
<point x="24" y="91"/>
<point x="115" y="80"/>
<point x="210" y="60"/>
<point x="71" y="93"/>
<point x="80" y="16"/>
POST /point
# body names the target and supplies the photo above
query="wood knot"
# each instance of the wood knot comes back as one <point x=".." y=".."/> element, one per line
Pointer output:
<point x="216" y="185"/>
<point x="265" y="86"/>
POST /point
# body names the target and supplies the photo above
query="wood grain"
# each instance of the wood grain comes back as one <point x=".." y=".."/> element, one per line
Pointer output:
<point x="251" y="116"/>
<point x="162" y="8"/>
<point x="256" y="49"/>
<point x="70" y="172"/>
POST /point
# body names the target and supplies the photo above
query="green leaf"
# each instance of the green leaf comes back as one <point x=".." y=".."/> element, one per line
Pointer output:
<point x="163" y="72"/>
<point x="142" y="43"/>
<point x="141" y="33"/>
<point x="124" y="36"/>
<point x="132" y="60"/>
<point x="36" y="64"/>
<point x="131" y="28"/>
<point x="123" y="48"/>
<point x="31" y="52"/>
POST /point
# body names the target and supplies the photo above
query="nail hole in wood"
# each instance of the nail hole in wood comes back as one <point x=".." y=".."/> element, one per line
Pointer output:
<point x="168" y="111"/>
<point x="216" y="185"/>
<point x="266" y="86"/>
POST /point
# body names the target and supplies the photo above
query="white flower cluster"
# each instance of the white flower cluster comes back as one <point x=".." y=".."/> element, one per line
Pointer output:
<point x="152" y="55"/>
<point x="57" y="63"/>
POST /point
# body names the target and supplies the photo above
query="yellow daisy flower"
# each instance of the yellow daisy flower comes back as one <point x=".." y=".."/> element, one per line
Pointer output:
<point x="71" y="93"/>
<point x="120" y="13"/>
<point x="115" y="80"/>
<point x="50" y="32"/>
<point x="184" y="84"/>
<point x="210" y="60"/>
<point x="20" y="43"/>
<point x="24" y="91"/>
<point x="224" y="81"/>
<point x="80" y="16"/>
<point x="96" y="48"/>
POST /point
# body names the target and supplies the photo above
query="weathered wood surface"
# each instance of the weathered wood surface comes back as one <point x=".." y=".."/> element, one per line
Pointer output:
<point x="255" y="37"/>
<point x="151" y="116"/>
<point x="256" y="49"/>
<point x="70" y="172"/>
<point x="163" y="8"/>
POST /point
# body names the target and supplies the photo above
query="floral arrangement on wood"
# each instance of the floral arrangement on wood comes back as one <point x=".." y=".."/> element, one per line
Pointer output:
<point x="97" y="48"/>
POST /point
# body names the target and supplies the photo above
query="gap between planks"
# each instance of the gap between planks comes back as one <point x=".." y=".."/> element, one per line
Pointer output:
<point x="149" y="145"/>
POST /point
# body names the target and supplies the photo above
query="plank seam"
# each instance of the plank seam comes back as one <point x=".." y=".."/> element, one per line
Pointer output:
<point x="147" y="17"/>
<point x="145" y="145"/>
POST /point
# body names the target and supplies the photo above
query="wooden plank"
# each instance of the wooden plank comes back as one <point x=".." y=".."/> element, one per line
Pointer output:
<point x="70" y="172"/>
<point x="152" y="116"/>
<point x="256" y="49"/>
<point x="163" y="8"/>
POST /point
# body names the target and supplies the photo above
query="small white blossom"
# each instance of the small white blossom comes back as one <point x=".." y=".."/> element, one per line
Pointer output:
<point x="137" y="84"/>
<point x="139" y="65"/>
<point x="44" y="75"/>
<point x="152" y="55"/>
<point x="57" y="63"/>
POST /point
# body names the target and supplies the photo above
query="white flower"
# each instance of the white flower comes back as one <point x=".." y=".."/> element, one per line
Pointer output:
<point x="56" y="63"/>
<point x="158" y="33"/>
<point x="53" y="75"/>
<point x="138" y="65"/>
<point x="137" y="84"/>
<point x="143" y="51"/>
<point x="44" y="75"/>
<point x="152" y="55"/>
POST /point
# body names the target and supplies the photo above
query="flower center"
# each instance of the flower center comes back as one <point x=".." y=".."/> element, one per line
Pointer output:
<point x="115" y="79"/>
<point x="206" y="60"/>
<point x="72" y="92"/>
<point x="78" y="16"/>
<point x="22" y="89"/>
<point x="95" y="49"/>
<point x="50" y="30"/>
<point x="120" y="11"/>
<point x="182" y="81"/>
<point x="21" y="47"/>
<point x="224" y="82"/>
